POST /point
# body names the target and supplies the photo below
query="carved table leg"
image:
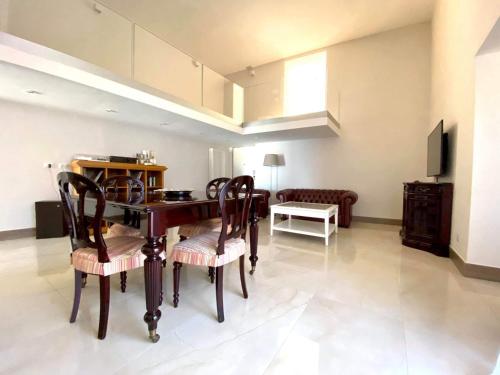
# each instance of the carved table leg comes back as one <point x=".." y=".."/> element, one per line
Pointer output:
<point x="254" y="236"/>
<point x="152" y="278"/>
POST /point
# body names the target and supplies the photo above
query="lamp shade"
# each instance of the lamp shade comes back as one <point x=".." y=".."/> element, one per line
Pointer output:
<point x="271" y="160"/>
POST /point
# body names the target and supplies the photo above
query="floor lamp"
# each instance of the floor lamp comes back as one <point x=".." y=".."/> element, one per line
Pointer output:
<point x="271" y="160"/>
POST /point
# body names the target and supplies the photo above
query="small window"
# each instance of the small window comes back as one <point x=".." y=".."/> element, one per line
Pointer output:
<point x="305" y="84"/>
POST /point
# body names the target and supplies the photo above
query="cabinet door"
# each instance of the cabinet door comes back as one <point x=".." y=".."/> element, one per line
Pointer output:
<point x="422" y="217"/>
<point x="159" y="65"/>
<point x="80" y="28"/>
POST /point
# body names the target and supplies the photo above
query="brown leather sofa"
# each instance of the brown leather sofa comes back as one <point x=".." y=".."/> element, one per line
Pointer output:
<point x="263" y="209"/>
<point x="344" y="198"/>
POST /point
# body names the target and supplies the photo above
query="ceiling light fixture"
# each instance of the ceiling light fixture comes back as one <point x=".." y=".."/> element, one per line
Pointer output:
<point x="110" y="110"/>
<point x="34" y="92"/>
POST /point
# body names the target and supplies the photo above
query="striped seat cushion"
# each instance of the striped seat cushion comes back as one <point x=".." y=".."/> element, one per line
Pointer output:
<point x="124" y="254"/>
<point x="120" y="230"/>
<point x="191" y="230"/>
<point x="201" y="250"/>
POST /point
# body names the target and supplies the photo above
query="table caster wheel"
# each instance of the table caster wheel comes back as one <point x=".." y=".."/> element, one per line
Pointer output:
<point x="153" y="336"/>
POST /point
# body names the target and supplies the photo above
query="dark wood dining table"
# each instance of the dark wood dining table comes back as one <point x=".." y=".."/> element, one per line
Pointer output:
<point x="154" y="214"/>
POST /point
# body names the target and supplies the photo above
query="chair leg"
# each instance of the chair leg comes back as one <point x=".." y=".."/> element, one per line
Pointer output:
<point x="103" y="315"/>
<point x="211" y="274"/>
<point x="177" y="273"/>
<point x="84" y="279"/>
<point x="164" y="243"/>
<point x="76" y="298"/>
<point x="242" y="276"/>
<point x="219" y="292"/>
<point x="123" y="281"/>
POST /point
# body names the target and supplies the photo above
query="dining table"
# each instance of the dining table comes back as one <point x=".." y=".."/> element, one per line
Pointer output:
<point x="154" y="213"/>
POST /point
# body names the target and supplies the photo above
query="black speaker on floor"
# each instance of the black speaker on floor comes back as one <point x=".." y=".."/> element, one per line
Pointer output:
<point x="49" y="219"/>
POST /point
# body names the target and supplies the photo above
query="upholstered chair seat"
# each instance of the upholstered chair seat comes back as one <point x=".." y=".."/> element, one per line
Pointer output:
<point x="201" y="250"/>
<point x="205" y="226"/>
<point x="121" y="230"/>
<point x="212" y="190"/>
<point x="124" y="254"/>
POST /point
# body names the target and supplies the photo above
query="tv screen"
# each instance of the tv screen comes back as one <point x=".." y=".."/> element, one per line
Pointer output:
<point x="435" y="151"/>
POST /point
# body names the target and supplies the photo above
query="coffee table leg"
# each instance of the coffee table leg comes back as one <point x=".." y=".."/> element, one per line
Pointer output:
<point x="336" y="221"/>
<point x="272" y="222"/>
<point x="327" y="230"/>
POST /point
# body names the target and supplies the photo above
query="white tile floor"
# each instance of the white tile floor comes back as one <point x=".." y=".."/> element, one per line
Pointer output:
<point x="363" y="305"/>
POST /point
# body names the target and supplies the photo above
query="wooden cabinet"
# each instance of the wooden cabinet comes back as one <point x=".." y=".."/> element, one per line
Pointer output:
<point x="81" y="28"/>
<point x="150" y="175"/>
<point x="159" y="65"/>
<point x="427" y="216"/>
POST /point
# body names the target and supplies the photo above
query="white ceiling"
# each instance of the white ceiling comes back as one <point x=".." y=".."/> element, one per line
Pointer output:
<point x="228" y="35"/>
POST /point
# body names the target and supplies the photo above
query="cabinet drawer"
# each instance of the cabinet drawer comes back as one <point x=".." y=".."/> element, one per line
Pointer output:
<point x="423" y="189"/>
<point x="424" y="197"/>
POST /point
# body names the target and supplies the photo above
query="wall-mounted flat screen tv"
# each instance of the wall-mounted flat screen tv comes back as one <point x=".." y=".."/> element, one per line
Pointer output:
<point x="437" y="149"/>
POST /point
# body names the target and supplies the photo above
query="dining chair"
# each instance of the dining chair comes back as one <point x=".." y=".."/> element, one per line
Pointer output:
<point x="129" y="190"/>
<point x="114" y="189"/>
<point x="96" y="257"/>
<point x="216" y="249"/>
<point x="212" y="190"/>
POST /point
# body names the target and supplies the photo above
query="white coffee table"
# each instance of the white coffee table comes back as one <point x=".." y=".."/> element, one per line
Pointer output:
<point x="307" y="227"/>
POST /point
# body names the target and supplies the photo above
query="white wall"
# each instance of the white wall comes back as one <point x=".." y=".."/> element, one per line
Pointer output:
<point x="384" y="86"/>
<point x="30" y="136"/>
<point x="4" y="12"/>
<point x="459" y="27"/>
<point x="485" y="202"/>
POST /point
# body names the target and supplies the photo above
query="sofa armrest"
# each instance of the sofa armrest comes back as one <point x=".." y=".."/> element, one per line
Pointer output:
<point x="285" y="195"/>
<point x="347" y="199"/>
<point x="263" y="209"/>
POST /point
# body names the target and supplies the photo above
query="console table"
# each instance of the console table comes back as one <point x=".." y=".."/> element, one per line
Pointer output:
<point x="427" y="216"/>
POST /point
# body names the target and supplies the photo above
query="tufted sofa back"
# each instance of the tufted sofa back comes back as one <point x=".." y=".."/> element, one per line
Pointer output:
<point x="318" y="195"/>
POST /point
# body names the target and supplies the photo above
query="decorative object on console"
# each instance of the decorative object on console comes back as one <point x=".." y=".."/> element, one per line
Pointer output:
<point x="91" y="157"/>
<point x="146" y="157"/>
<point x="122" y="159"/>
<point x="427" y="216"/>
<point x="343" y="198"/>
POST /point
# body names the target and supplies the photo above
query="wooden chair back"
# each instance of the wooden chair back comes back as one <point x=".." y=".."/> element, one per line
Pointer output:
<point x="215" y="186"/>
<point x="76" y="218"/>
<point x="237" y="192"/>
<point x="112" y="189"/>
